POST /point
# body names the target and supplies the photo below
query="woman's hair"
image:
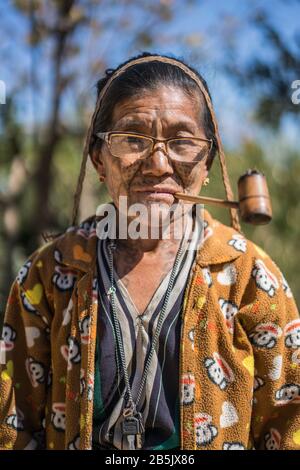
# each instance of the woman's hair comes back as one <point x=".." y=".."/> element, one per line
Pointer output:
<point x="143" y="77"/>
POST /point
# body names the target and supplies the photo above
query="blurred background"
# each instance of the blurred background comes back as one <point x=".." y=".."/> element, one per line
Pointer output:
<point x="53" y="52"/>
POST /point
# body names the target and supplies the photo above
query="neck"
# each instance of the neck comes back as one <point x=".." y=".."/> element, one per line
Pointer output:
<point x="150" y="244"/>
<point x="143" y="246"/>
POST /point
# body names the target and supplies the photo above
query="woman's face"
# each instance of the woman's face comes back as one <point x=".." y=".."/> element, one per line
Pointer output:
<point x="163" y="113"/>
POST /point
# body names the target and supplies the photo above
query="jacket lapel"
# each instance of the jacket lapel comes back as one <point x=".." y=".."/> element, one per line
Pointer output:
<point x="216" y="249"/>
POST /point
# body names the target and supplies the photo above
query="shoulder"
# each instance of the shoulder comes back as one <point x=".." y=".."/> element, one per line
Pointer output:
<point x="57" y="264"/>
<point x="222" y="245"/>
<point x="245" y="279"/>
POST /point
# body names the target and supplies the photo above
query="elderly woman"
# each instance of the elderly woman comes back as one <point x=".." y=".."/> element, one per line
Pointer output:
<point x="153" y="342"/>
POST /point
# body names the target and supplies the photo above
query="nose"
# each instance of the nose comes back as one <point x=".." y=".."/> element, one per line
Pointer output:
<point x="157" y="163"/>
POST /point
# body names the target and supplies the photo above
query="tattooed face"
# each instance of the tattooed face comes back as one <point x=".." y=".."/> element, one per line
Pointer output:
<point x="162" y="113"/>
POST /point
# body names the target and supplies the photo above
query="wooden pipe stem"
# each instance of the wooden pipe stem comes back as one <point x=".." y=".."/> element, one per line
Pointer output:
<point x="207" y="200"/>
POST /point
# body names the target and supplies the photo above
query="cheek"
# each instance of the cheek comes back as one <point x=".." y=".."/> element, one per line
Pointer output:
<point x="184" y="171"/>
<point x="190" y="175"/>
<point x="119" y="177"/>
<point x="129" y="171"/>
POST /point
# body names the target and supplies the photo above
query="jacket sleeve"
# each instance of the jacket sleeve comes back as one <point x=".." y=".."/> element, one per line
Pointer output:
<point x="272" y="322"/>
<point x="25" y="361"/>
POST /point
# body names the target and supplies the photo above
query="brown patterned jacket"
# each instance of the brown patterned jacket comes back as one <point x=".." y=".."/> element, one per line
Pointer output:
<point x="239" y="359"/>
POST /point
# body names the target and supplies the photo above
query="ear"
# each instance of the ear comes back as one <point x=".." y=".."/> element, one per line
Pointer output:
<point x="97" y="161"/>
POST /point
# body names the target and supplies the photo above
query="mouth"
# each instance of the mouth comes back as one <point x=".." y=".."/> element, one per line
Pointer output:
<point x="158" y="193"/>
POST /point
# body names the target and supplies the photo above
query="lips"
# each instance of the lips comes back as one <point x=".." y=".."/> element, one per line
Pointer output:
<point x="157" y="190"/>
<point x="158" y="193"/>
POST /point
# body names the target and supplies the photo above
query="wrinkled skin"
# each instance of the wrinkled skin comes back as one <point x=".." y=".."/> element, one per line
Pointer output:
<point x="161" y="113"/>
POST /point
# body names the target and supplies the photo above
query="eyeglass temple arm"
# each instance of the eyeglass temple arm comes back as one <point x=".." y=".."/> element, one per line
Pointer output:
<point x="102" y="135"/>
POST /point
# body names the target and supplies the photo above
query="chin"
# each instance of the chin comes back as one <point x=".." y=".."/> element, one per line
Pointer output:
<point x="159" y="215"/>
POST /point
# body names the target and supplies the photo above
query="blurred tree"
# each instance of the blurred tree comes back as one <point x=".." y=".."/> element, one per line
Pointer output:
<point x="267" y="77"/>
<point x="68" y="43"/>
<point x="270" y="75"/>
<point x="13" y="179"/>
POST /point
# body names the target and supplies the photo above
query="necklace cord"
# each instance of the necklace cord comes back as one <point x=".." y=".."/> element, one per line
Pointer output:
<point x="112" y="291"/>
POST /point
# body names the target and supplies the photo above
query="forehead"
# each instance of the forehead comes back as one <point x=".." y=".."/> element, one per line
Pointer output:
<point x="168" y="103"/>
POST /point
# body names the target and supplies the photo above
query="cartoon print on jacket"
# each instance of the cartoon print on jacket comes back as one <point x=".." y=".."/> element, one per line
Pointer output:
<point x="32" y="334"/>
<point x="187" y="388"/>
<point x="23" y="273"/>
<point x="90" y="388"/>
<point x="82" y="382"/>
<point x="233" y="446"/>
<point x="64" y="278"/>
<point x="84" y="327"/>
<point x="292" y="334"/>
<point x="276" y="368"/>
<point x="205" y="430"/>
<point x="207" y="231"/>
<point x="35" y="371"/>
<point x="58" y="417"/>
<point x="239" y="243"/>
<point x="229" y="416"/>
<point x="95" y="290"/>
<point x="219" y="371"/>
<point x="75" y="444"/>
<point x="264" y="278"/>
<point x="58" y="256"/>
<point x="71" y="352"/>
<point x="27" y="305"/>
<point x="8" y="337"/>
<point x="296" y="357"/>
<point x="258" y="383"/>
<point x="288" y="393"/>
<point x="265" y="335"/>
<point x="87" y="230"/>
<point x="191" y="335"/>
<point x="286" y="287"/>
<point x="228" y="275"/>
<point x="229" y="309"/>
<point x="207" y="276"/>
<point x="272" y="440"/>
<point x="15" y="420"/>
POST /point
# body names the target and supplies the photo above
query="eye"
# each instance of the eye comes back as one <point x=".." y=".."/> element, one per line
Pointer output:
<point x="133" y="140"/>
<point x="180" y="143"/>
<point x="124" y="144"/>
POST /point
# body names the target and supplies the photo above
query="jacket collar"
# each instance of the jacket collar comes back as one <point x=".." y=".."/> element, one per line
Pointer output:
<point x="78" y="245"/>
<point x="221" y="244"/>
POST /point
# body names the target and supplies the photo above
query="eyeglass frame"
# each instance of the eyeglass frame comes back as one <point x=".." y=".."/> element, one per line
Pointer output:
<point x="106" y="137"/>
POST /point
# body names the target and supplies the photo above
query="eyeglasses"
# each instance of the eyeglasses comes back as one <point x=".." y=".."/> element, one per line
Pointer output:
<point x="132" y="147"/>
